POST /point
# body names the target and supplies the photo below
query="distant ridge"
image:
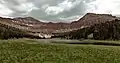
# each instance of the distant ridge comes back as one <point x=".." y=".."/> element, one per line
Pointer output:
<point x="91" y="19"/>
<point x="33" y="25"/>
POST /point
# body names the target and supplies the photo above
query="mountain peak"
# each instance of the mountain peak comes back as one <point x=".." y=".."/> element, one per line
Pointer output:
<point x="24" y="18"/>
<point x="93" y="18"/>
<point x="94" y="14"/>
<point x="30" y="19"/>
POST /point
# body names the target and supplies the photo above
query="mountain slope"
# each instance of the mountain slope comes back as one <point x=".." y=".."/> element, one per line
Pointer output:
<point x="36" y="27"/>
<point x="91" y="19"/>
<point x="33" y="25"/>
<point x="7" y="32"/>
<point x="109" y="30"/>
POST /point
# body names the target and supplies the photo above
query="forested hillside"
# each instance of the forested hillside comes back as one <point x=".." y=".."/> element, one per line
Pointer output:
<point x="109" y="30"/>
<point x="8" y="32"/>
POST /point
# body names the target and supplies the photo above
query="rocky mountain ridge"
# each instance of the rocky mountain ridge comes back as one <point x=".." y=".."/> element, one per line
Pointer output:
<point x="35" y="26"/>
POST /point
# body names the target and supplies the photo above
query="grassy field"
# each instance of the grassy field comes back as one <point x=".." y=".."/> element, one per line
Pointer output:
<point x="34" y="51"/>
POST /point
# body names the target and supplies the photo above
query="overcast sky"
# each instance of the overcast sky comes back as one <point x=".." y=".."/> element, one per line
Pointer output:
<point x="57" y="10"/>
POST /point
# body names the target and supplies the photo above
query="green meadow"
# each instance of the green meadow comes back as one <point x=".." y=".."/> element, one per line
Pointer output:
<point x="36" y="51"/>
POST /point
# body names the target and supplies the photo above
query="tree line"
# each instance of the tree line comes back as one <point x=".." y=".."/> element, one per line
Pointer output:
<point x="109" y="30"/>
<point x="9" y="32"/>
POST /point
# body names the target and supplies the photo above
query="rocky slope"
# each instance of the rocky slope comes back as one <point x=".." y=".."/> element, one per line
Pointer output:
<point x="36" y="27"/>
<point x="9" y="32"/>
<point x="91" y="19"/>
<point x="109" y="30"/>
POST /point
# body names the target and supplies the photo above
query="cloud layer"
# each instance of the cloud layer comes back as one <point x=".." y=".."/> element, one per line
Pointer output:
<point x="57" y="10"/>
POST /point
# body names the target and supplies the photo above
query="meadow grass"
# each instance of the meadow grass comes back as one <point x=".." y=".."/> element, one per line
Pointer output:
<point x="23" y="51"/>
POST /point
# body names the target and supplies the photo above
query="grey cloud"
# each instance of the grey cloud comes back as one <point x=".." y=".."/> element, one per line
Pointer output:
<point x="35" y="8"/>
<point x="13" y="2"/>
<point x="40" y="3"/>
<point x="14" y="5"/>
<point x="79" y="9"/>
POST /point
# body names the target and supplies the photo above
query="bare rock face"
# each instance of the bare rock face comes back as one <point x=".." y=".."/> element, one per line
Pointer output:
<point x="35" y="26"/>
<point x="87" y="20"/>
<point x="91" y="19"/>
<point x="27" y="20"/>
